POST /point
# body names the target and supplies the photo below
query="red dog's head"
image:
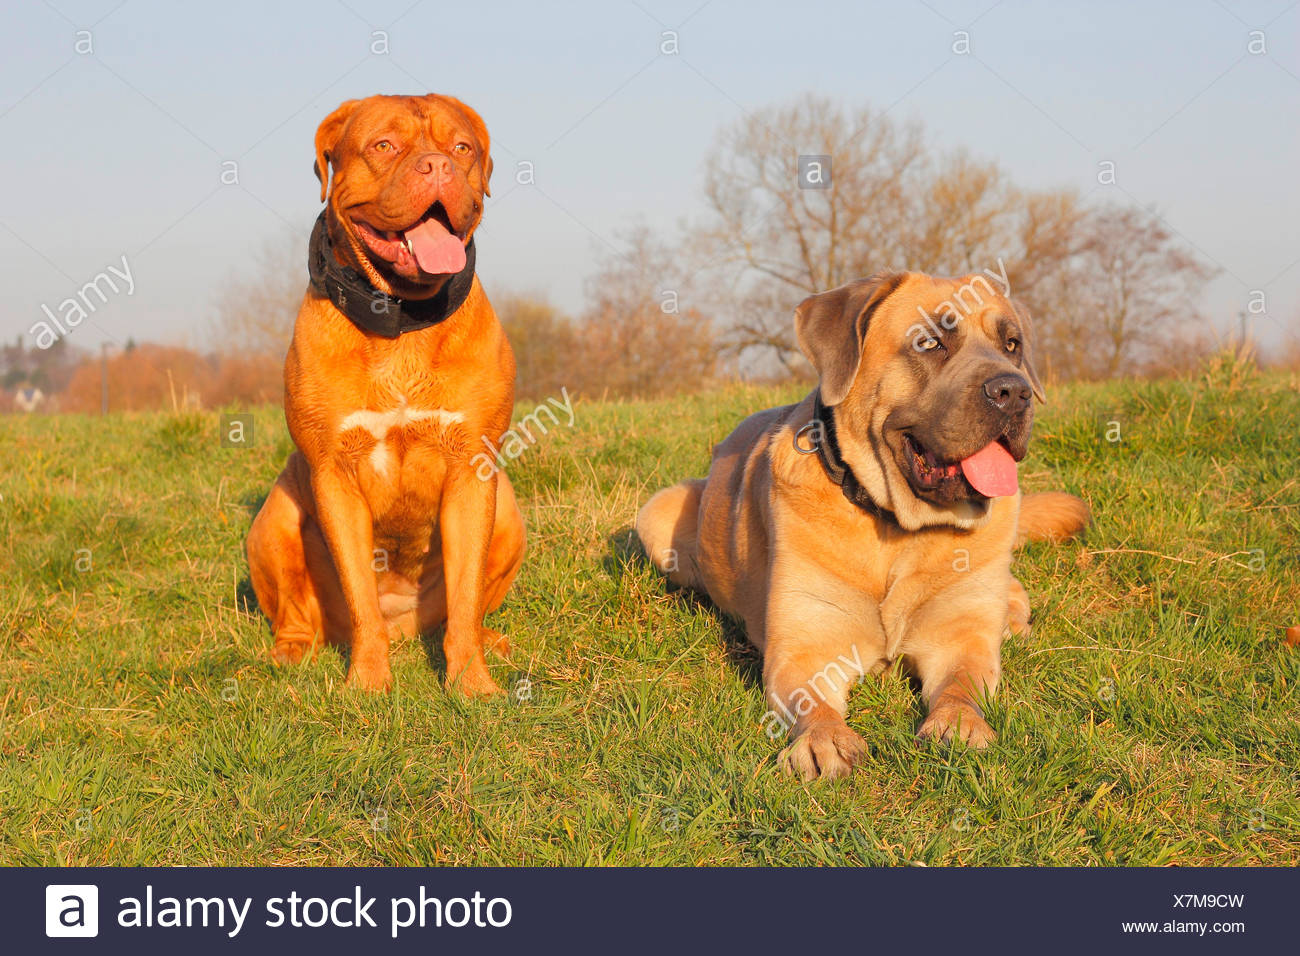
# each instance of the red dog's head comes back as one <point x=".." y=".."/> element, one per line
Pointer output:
<point x="409" y="177"/>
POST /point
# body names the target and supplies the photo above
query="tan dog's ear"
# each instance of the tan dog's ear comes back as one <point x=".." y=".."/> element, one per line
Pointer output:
<point x="327" y="139"/>
<point x="1027" y="342"/>
<point x="480" y="133"/>
<point x="831" y="327"/>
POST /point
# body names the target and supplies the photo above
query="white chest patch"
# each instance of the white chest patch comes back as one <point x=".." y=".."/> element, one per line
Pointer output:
<point x="379" y="424"/>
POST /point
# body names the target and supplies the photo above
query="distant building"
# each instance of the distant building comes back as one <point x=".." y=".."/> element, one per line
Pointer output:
<point x="28" y="398"/>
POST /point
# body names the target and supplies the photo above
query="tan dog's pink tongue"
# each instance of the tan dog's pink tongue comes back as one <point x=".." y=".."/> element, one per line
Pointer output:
<point x="436" y="250"/>
<point x="991" y="471"/>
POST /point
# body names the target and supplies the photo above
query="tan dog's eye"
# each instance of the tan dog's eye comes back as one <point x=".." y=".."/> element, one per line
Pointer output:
<point x="462" y="149"/>
<point x="929" y="345"/>
<point x="1013" y="345"/>
<point x="383" y="146"/>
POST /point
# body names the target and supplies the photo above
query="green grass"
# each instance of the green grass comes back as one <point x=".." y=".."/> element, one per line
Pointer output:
<point x="1152" y="718"/>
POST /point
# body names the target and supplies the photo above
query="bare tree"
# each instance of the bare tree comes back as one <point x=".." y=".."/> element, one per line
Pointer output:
<point x="961" y="219"/>
<point x="890" y="203"/>
<point x="642" y="333"/>
<point x="255" y="310"/>
<point x="771" y="240"/>
<point x="545" y="344"/>
<point x="1120" y="290"/>
<point x="1091" y="274"/>
<point x="1145" y="281"/>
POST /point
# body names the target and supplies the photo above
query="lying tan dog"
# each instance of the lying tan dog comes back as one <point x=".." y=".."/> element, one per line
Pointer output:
<point x="874" y="521"/>
<point x="398" y="375"/>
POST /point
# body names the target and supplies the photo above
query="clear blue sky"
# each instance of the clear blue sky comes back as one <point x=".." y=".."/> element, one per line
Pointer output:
<point x="119" y="151"/>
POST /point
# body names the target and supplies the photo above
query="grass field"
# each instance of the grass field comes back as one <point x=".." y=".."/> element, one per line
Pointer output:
<point x="1152" y="718"/>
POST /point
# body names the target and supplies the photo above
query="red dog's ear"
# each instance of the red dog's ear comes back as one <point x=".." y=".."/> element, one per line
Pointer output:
<point x="480" y="133"/>
<point x="328" y="135"/>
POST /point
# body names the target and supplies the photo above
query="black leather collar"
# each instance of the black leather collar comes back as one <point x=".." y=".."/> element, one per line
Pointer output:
<point x="368" y="308"/>
<point x="836" y="468"/>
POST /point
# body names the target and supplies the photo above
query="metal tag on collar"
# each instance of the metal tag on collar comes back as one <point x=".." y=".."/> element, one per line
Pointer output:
<point x="814" y="425"/>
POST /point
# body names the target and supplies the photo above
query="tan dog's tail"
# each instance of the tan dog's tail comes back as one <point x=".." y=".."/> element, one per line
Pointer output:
<point x="1051" y="516"/>
<point x="668" y="526"/>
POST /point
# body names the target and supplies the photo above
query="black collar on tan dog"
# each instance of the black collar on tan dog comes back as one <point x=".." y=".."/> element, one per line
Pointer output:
<point x="833" y="463"/>
<point x="368" y="308"/>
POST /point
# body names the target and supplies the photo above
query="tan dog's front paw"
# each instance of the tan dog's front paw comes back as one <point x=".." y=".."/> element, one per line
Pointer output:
<point x="957" y="721"/>
<point x="370" y="677"/>
<point x="828" y="750"/>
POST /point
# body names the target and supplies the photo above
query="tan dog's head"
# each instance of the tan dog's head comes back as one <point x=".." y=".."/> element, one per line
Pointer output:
<point x="409" y="177"/>
<point x="933" y="384"/>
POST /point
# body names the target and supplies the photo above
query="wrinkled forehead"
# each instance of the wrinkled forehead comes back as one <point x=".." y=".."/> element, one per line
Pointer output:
<point x="973" y="301"/>
<point x="408" y="116"/>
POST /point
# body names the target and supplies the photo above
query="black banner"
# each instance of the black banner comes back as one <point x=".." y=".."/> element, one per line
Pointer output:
<point x="325" y="911"/>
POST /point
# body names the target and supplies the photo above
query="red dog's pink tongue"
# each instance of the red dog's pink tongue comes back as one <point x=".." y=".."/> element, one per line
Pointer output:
<point x="991" y="471"/>
<point x="436" y="250"/>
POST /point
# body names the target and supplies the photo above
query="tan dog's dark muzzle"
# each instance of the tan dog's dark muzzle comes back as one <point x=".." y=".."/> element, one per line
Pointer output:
<point x="1009" y="394"/>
